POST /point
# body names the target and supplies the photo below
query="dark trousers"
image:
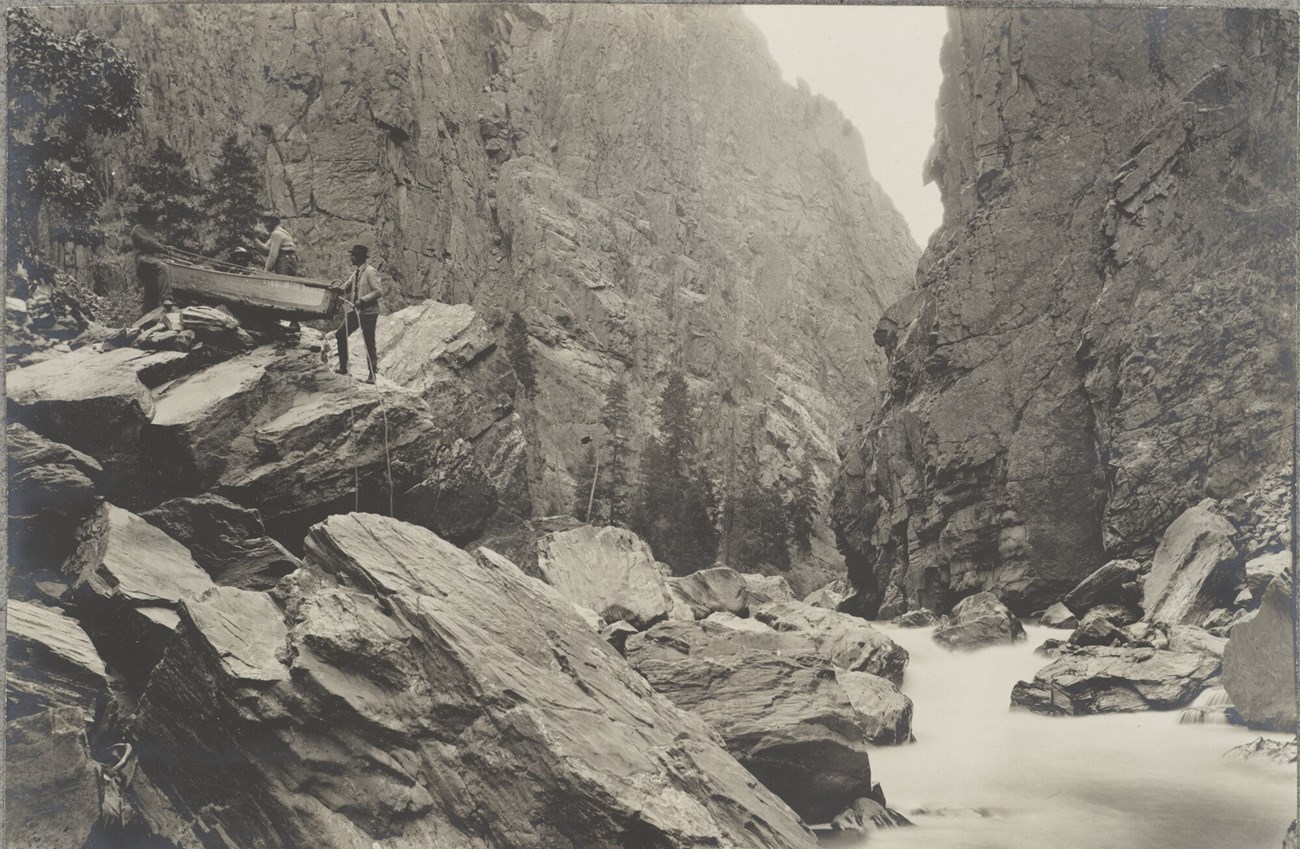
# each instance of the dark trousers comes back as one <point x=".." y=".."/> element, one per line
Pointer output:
<point x="286" y="263"/>
<point x="368" y="322"/>
<point x="153" y="276"/>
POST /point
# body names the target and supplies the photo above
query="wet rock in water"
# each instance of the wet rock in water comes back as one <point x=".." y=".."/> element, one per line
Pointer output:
<point x="829" y="596"/>
<point x="1100" y="679"/>
<point x="1259" y="662"/>
<point x="51" y="785"/>
<point x="766" y="589"/>
<point x="70" y="398"/>
<point x="131" y="577"/>
<point x="978" y="621"/>
<point x="917" y="618"/>
<point x="846" y="641"/>
<point x="1196" y="568"/>
<point x="1262" y="748"/>
<point x="609" y="570"/>
<point x="1058" y="616"/>
<point x="51" y="663"/>
<point x="887" y="712"/>
<point x="228" y="541"/>
<point x="1117" y="582"/>
<point x="1050" y="647"/>
<point x="409" y="693"/>
<point x="866" y="814"/>
<point x="778" y="706"/>
<point x="715" y="590"/>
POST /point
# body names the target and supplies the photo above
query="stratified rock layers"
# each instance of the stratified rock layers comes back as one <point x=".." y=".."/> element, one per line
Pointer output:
<point x="1100" y="339"/>
<point x="638" y="183"/>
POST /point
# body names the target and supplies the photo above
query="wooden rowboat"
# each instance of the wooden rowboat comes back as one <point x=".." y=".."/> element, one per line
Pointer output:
<point x="286" y="297"/>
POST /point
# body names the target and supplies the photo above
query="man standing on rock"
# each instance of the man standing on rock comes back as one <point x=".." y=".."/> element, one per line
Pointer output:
<point x="150" y="270"/>
<point x="361" y="296"/>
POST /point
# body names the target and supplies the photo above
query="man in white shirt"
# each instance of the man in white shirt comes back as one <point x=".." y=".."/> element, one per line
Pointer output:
<point x="281" y="253"/>
<point x="361" y="296"/>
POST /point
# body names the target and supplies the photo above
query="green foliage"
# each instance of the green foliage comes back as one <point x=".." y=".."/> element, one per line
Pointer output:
<point x="675" y="513"/>
<point x="62" y="93"/>
<point x="803" y="508"/>
<point x="165" y="197"/>
<point x="519" y="354"/>
<point x="232" y="197"/>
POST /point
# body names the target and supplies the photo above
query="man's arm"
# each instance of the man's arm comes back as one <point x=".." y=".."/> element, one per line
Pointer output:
<point x="375" y="289"/>
<point x="273" y="250"/>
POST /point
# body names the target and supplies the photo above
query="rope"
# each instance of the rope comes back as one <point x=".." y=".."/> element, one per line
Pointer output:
<point x="383" y="411"/>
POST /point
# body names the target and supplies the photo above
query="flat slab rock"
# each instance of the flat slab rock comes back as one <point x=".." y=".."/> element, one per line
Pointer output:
<point x="227" y="540"/>
<point x="846" y="641"/>
<point x="51" y="663"/>
<point x="609" y="570"/>
<point x="405" y="693"/>
<point x="1101" y="679"/>
<point x="780" y="708"/>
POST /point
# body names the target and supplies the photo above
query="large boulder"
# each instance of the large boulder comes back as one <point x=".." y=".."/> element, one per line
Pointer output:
<point x="922" y="618"/>
<point x="71" y="398"/>
<point x="846" y="641"/>
<point x="1117" y="582"/>
<point x="1260" y="571"/>
<point x="51" y="785"/>
<point x="609" y="570"/>
<point x="228" y="541"/>
<point x="51" y="492"/>
<point x="765" y="589"/>
<point x="1100" y="679"/>
<point x="1058" y="616"/>
<point x="412" y="696"/>
<point x="778" y="706"/>
<point x="51" y="663"/>
<point x="978" y="621"/>
<point x="885" y="713"/>
<point x="1259" y="661"/>
<point x="131" y="578"/>
<point x="716" y="590"/>
<point x="1195" y="570"/>
<point x="829" y="596"/>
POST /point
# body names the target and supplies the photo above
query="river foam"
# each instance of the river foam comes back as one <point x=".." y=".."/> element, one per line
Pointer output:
<point x="1016" y="780"/>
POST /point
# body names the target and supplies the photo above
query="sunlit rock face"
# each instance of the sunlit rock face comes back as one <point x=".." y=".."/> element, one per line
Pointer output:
<point x="1100" y="337"/>
<point x="638" y="182"/>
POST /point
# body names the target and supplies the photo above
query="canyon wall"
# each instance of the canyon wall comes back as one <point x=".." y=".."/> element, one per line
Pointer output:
<point x="1102" y="334"/>
<point x="638" y="182"/>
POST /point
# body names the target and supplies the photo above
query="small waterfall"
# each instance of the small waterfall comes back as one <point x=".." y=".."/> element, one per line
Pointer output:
<point x="1210" y="708"/>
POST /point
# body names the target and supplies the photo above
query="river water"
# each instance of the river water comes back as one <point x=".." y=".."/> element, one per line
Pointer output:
<point x="1119" y="781"/>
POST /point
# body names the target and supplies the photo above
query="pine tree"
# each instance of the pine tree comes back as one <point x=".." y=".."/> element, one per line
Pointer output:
<point x="165" y="197"/>
<point x="232" y="196"/>
<point x="519" y="354"/>
<point x="615" y="418"/>
<point x="803" y="508"/>
<point x="759" y="531"/>
<point x="63" y="92"/>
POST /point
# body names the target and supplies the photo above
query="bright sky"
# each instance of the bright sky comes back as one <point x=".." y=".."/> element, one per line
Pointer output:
<point x="881" y="65"/>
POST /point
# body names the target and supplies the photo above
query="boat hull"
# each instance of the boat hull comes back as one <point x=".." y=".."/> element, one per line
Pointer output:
<point x="285" y="297"/>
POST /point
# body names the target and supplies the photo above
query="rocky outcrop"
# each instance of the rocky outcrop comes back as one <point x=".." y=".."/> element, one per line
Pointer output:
<point x="227" y="541"/>
<point x="51" y="664"/>
<point x="609" y="570"/>
<point x="1259" y="662"/>
<point x="846" y="641"/>
<point x="51" y="786"/>
<point x="978" y="621"/>
<point x="1110" y="680"/>
<point x="403" y="693"/>
<point x="922" y="618"/>
<point x="1058" y="616"/>
<point x="1196" y="569"/>
<point x="1101" y="337"/>
<point x="765" y="589"/>
<point x="780" y="708"/>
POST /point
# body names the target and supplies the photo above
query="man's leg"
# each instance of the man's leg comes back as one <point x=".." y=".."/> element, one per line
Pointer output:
<point x="341" y="339"/>
<point x="368" y="323"/>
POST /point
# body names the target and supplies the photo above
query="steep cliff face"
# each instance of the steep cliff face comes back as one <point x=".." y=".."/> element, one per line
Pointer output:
<point x="1101" y="334"/>
<point x="638" y="182"/>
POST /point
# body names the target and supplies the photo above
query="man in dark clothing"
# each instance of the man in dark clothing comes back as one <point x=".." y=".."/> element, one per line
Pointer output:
<point x="150" y="270"/>
<point x="361" y="296"/>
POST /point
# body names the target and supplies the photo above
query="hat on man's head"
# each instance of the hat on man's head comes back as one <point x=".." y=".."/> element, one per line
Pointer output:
<point x="360" y="249"/>
<point x="269" y="213"/>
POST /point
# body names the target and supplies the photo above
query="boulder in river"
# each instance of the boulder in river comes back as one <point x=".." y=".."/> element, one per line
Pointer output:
<point x="1196" y="568"/>
<point x="715" y="590"/>
<point x="828" y="596"/>
<point x="765" y="589"/>
<point x="777" y="704"/>
<point x="1103" y="626"/>
<point x="1058" y="616"/>
<point x="886" y="714"/>
<point x="978" y="621"/>
<point x="1101" y="679"/>
<point x="1117" y="582"/>
<point x="846" y="641"/>
<point x="922" y="618"/>
<point x="1259" y="661"/>
<point x="610" y="570"/>
<point x="866" y="814"/>
<point x="406" y="694"/>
